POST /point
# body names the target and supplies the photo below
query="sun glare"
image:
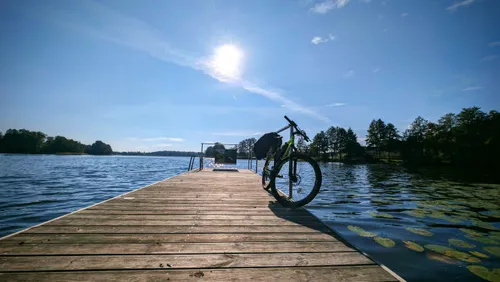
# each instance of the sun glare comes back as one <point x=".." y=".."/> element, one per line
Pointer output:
<point x="227" y="61"/>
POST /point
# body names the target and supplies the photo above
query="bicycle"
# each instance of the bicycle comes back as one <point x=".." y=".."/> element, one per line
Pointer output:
<point x="287" y="184"/>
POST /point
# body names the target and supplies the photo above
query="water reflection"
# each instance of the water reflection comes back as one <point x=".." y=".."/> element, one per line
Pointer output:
<point x="417" y="222"/>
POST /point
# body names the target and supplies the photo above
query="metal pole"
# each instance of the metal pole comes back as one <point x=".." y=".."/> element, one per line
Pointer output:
<point x="290" y="167"/>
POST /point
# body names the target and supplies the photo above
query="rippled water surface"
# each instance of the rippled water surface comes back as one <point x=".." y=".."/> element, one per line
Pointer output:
<point x="422" y="228"/>
<point x="437" y="229"/>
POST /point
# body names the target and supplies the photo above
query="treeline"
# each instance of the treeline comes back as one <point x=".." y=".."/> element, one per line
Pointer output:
<point x="35" y="142"/>
<point x="469" y="138"/>
<point x="336" y="143"/>
<point x="159" y="153"/>
<point x="245" y="147"/>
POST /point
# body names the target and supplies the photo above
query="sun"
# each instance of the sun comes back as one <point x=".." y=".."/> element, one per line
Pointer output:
<point x="226" y="61"/>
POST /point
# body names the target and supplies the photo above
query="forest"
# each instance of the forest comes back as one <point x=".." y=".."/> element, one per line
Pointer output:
<point x="23" y="141"/>
<point x="469" y="138"/>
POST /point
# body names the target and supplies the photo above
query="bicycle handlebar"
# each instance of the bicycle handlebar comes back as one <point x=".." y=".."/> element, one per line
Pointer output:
<point x="301" y="132"/>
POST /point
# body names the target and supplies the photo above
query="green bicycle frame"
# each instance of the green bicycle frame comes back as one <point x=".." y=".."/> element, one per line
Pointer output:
<point x="288" y="151"/>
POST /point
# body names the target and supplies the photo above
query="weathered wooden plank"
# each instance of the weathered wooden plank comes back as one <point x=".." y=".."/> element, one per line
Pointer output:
<point x="27" y="238"/>
<point x="158" y="229"/>
<point x="211" y="222"/>
<point x="157" y="261"/>
<point x="15" y="249"/>
<point x="164" y="217"/>
<point x="365" y="273"/>
<point x="129" y="210"/>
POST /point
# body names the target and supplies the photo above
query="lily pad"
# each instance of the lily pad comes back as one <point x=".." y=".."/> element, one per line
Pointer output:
<point x="478" y="254"/>
<point x="419" y="231"/>
<point x="461" y="256"/>
<point x="360" y="231"/>
<point x="413" y="246"/>
<point x="416" y="213"/>
<point x="493" y="250"/>
<point x="441" y="258"/>
<point x="386" y="242"/>
<point x="472" y="232"/>
<point x="366" y="234"/>
<point x="460" y="243"/>
<point x="453" y="219"/>
<point x="437" y="214"/>
<point x="437" y="248"/>
<point x="355" y="228"/>
<point x="484" y="225"/>
<point x="483" y="272"/>
<point x="483" y="240"/>
<point x="381" y="215"/>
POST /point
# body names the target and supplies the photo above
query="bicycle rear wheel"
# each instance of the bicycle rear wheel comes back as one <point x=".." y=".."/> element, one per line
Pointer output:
<point x="304" y="176"/>
<point x="266" y="174"/>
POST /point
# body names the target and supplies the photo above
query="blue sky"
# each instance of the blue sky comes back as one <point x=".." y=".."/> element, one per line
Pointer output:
<point x="167" y="75"/>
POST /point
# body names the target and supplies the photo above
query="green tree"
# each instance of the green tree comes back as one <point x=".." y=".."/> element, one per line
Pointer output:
<point x="341" y="141"/>
<point x="302" y="145"/>
<point x="352" y="147"/>
<point x="392" y="139"/>
<point x="22" y="141"/>
<point x="333" y="145"/>
<point x="445" y="136"/>
<point x="209" y="152"/>
<point x="98" y="148"/>
<point x="246" y="146"/>
<point x="377" y="136"/>
<point x="414" y="138"/>
<point x="319" y="145"/>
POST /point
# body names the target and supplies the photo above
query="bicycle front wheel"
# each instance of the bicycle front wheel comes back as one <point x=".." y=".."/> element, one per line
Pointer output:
<point x="298" y="184"/>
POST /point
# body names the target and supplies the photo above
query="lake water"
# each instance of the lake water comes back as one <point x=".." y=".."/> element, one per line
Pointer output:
<point x="432" y="228"/>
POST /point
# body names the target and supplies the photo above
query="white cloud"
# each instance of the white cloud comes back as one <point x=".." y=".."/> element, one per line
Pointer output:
<point x="457" y="5"/>
<point x="404" y="15"/>
<point x="238" y="133"/>
<point x="156" y="139"/>
<point x="349" y="73"/>
<point x="374" y="70"/>
<point x="336" y="105"/>
<point x="494" y="44"/>
<point x="490" y="58"/>
<point x="474" y="88"/>
<point x="326" y="6"/>
<point x="318" y="39"/>
<point x="127" y="31"/>
<point x="162" y="145"/>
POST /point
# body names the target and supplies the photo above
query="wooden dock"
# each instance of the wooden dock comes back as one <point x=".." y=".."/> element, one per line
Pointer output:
<point x="198" y="225"/>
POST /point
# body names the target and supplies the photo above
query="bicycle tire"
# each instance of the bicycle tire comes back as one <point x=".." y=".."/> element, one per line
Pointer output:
<point x="282" y="199"/>
<point x="266" y="177"/>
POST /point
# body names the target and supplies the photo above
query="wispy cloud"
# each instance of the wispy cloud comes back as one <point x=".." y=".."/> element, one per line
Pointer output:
<point x="319" y="39"/>
<point x="326" y="6"/>
<point x="336" y="105"/>
<point x="374" y="70"/>
<point x="238" y="133"/>
<point x="349" y="73"/>
<point x="404" y="15"/>
<point x="474" y="88"/>
<point x="156" y="139"/>
<point x="457" y="5"/>
<point x="127" y="31"/>
<point x="490" y="58"/>
<point x="162" y="145"/>
<point x="494" y="44"/>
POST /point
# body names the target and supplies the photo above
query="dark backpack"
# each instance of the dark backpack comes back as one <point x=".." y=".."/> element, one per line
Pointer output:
<point x="268" y="142"/>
